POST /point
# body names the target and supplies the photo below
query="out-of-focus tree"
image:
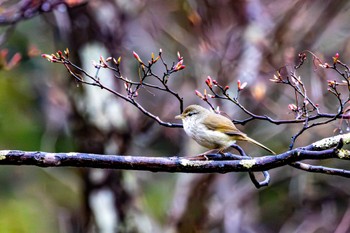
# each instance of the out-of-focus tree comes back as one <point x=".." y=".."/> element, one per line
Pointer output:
<point x="228" y="40"/>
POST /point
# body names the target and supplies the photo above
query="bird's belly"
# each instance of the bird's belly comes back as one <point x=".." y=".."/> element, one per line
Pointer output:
<point x="209" y="138"/>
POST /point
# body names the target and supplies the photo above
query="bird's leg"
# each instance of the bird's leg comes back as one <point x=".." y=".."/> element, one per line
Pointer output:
<point x="214" y="154"/>
<point x="210" y="154"/>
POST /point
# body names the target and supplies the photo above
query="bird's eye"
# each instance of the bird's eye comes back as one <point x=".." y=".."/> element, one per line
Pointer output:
<point x="191" y="113"/>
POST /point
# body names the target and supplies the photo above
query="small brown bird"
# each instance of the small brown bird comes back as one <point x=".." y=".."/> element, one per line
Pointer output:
<point x="212" y="130"/>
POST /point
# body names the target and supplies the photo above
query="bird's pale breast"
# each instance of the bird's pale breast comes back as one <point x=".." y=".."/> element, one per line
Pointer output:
<point x="208" y="138"/>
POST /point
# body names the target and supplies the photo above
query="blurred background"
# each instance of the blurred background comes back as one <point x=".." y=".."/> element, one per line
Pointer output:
<point x="42" y="108"/>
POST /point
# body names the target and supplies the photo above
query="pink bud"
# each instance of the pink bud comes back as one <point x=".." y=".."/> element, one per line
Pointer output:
<point x="199" y="94"/>
<point x="50" y="58"/>
<point x="179" y="56"/>
<point x="103" y="62"/>
<point x="336" y="58"/>
<point x="241" y="86"/>
<point x="137" y="56"/>
<point x="126" y="85"/>
<point x="209" y="82"/>
<point x="179" y="65"/>
<point x="325" y="65"/>
<point x="292" y="107"/>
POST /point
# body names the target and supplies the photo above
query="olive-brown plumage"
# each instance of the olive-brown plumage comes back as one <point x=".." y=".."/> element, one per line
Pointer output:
<point x="212" y="130"/>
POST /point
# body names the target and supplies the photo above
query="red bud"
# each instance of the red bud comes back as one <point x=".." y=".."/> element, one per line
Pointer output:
<point x="336" y="58"/>
<point x="209" y="82"/>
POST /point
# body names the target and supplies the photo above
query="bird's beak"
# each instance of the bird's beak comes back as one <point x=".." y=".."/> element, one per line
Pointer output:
<point x="179" y="117"/>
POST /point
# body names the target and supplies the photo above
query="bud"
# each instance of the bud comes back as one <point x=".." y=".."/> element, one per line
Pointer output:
<point x="209" y="82"/>
<point x="60" y="54"/>
<point x="226" y="88"/>
<point x="241" y="86"/>
<point x="292" y="107"/>
<point x="302" y="56"/>
<point x="205" y="94"/>
<point x="137" y="57"/>
<point x="119" y="60"/>
<point x="325" y="65"/>
<point x="66" y="52"/>
<point x="179" y="65"/>
<point x="332" y="83"/>
<point x="157" y="58"/>
<point x="126" y="85"/>
<point x="108" y="59"/>
<point x="199" y="94"/>
<point x="179" y="56"/>
<point x="275" y="79"/>
<point x="50" y="58"/>
<point x="336" y="58"/>
<point x="103" y="62"/>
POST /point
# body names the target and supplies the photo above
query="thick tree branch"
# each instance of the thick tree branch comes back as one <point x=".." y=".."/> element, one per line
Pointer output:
<point x="323" y="149"/>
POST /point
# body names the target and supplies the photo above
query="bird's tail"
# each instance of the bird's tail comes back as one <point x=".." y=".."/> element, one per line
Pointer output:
<point x="259" y="144"/>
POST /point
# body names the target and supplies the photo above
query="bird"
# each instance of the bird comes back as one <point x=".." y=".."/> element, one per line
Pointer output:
<point x="211" y="130"/>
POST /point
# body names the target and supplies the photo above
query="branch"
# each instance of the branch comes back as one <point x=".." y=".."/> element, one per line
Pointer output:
<point x="130" y="93"/>
<point x="27" y="9"/>
<point x="305" y="110"/>
<point x="185" y="164"/>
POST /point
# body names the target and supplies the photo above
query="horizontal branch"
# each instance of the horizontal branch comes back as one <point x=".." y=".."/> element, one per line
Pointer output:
<point x="326" y="148"/>
<point x="159" y="164"/>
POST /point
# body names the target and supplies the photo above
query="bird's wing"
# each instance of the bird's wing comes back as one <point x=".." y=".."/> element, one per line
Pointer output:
<point x="220" y="123"/>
